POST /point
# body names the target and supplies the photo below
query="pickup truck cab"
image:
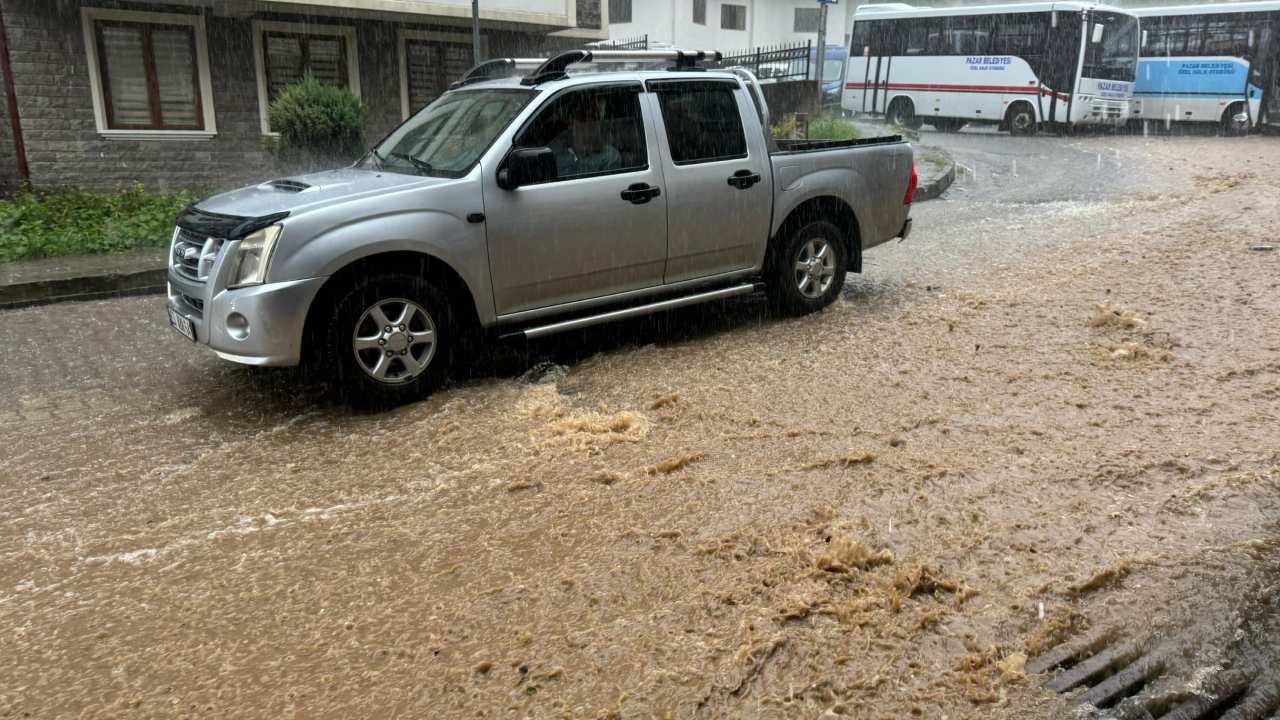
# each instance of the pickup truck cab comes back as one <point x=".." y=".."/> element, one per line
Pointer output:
<point x="527" y="206"/>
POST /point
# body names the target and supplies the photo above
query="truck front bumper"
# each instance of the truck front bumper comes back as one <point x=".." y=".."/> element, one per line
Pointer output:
<point x="258" y="325"/>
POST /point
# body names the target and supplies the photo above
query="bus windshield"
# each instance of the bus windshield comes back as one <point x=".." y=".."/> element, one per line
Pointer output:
<point x="1115" y="56"/>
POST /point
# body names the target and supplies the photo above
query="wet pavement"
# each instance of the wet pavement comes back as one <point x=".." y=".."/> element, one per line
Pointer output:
<point x="878" y="511"/>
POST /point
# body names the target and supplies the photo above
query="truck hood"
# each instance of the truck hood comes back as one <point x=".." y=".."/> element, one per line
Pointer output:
<point x="296" y="193"/>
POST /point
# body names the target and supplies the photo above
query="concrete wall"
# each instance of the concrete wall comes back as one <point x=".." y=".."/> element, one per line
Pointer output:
<point x="64" y="148"/>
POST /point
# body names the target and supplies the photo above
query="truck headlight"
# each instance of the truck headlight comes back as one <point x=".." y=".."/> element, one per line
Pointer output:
<point x="253" y="256"/>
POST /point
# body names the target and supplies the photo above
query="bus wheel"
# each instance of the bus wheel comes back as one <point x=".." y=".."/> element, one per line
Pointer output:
<point x="902" y="112"/>
<point x="1021" y="119"/>
<point x="1235" y="120"/>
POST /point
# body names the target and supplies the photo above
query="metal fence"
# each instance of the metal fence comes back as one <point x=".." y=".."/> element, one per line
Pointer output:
<point x="639" y="42"/>
<point x="773" y="63"/>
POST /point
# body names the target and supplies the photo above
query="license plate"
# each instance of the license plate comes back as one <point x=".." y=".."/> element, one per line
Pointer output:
<point x="182" y="324"/>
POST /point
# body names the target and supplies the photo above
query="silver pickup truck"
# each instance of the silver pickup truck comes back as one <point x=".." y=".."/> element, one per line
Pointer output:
<point x="598" y="186"/>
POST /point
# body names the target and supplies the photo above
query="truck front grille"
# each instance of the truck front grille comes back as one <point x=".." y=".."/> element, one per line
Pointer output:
<point x="193" y="256"/>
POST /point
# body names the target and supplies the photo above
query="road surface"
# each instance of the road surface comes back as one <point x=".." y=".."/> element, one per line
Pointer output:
<point x="875" y="511"/>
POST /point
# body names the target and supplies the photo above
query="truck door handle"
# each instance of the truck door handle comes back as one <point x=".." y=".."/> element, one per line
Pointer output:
<point x="640" y="193"/>
<point x="744" y="179"/>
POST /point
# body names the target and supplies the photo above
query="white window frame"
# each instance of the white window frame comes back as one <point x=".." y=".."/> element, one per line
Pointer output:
<point x="89" y="16"/>
<point x="402" y="42"/>
<point x="262" y="27"/>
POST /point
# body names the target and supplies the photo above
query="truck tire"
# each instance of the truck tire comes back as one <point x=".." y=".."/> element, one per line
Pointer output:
<point x="389" y="339"/>
<point x="808" y="269"/>
<point x="1021" y="120"/>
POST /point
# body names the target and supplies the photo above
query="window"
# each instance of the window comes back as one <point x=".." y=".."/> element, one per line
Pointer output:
<point x="589" y="14"/>
<point x="702" y="121"/>
<point x="285" y="52"/>
<point x="806" y="20"/>
<point x="700" y="12"/>
<point x="149" y="74"/>
<point x="619" y="11"/>
<point x="733" y="17"/>
<point x="429" y="62"/>
<point x="447" y="138"/>
<point x="592" y="131"/>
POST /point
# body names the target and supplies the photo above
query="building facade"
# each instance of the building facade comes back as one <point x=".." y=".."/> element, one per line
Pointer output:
<point x="175" y="94"/>
<point x="728" y="24"/>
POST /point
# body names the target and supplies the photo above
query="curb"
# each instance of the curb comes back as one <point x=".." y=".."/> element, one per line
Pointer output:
<point x="937" y="186"/>
<point x="92" y="287"/>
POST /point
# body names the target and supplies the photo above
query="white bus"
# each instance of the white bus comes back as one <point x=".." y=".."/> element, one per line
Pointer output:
<point x="1210" y="63"/>
<point x="1020" y="66"/>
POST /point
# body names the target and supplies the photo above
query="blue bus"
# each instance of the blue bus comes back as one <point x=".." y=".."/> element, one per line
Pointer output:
<point x="1211" y="64"/>
<point x="832" y="72"/>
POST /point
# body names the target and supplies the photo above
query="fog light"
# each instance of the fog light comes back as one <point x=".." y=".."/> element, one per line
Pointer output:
<point x="237" y="326"/>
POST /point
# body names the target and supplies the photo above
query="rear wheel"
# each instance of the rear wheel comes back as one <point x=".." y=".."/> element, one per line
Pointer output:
<point x="809" y="269"/>
<point x="1021" y="120"/>
<point x="902" y="112"/>
<point x="389" y="340"/>
<point x="1235" y="120"/>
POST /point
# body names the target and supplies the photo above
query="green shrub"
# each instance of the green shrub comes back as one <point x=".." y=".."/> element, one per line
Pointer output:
<point x="319" y="124"/>
<point x="832" y="128"/>
<point x="76" y="222"/>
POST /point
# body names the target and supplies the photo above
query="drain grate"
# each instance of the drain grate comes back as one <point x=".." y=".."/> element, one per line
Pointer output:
<point x="1117" y="676"/>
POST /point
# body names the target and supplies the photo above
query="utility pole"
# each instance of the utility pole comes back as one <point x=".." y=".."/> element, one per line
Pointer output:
<point x="475" y="32"/>
<point x="820" y="55"/>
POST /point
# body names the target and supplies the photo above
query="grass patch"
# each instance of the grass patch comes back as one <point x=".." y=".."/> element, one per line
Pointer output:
<point x="832" y="128"/>
<point x="823" y="127"/>
<point x="77" y="222"/>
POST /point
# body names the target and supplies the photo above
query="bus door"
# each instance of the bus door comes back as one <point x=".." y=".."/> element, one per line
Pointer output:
<point x="875" y="95"/>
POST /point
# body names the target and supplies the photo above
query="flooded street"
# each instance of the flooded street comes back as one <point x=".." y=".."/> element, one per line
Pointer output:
<point x="1055" y="408"/>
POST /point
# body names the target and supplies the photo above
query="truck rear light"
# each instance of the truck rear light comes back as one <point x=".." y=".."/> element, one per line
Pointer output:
<point x="911" y="185"/>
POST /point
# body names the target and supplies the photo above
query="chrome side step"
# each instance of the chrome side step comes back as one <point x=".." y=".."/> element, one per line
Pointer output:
<point x="531" y="333"/>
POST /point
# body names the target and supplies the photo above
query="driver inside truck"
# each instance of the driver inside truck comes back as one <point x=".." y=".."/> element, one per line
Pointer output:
<point x="582" y="147"/>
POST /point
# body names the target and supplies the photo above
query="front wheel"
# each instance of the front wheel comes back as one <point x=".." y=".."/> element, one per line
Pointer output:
<point x="808" y="270"/>
<point x="903" y="113"/>
<point x="1235" y="121"/>
<point x="1022" y="120"/>
<point x="389" y="340"/>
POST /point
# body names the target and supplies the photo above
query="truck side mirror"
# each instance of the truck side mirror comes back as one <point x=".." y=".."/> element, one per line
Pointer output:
<point x="527" y="166"/>
<point x="1097" y="32"/>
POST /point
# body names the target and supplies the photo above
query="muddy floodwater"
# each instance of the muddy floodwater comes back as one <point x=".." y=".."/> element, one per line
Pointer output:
<point x="1037" y="417"/>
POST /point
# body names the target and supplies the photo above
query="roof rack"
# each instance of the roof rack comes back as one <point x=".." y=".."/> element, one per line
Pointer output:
<point x="540" y="70"/>
<point x="499" y="68"/>
<point x="554" y="68"/>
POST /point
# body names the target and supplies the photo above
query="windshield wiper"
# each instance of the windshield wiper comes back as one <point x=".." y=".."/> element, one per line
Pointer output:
<point x="418" y="164"/>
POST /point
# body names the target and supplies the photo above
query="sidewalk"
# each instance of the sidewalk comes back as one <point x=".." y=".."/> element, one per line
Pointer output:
<point x="81" y="277"/>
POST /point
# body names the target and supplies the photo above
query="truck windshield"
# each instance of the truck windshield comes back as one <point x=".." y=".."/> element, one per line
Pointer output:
<point x="1115" y="57"/>
<point x="448" y="136"/>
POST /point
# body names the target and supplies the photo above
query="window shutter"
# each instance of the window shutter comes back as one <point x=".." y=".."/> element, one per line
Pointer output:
<point x="175" y="77"/>
<point x="123" y="56"/>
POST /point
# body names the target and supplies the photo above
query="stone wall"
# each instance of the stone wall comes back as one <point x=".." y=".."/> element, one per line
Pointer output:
<point x="63" y="146"/>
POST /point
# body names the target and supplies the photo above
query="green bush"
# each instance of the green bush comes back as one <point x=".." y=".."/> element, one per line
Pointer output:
<point x="832" y="128"/>
<point x="319" y="124"/>
<point x="76" y="222"/>
<point x="823" y="127"/>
